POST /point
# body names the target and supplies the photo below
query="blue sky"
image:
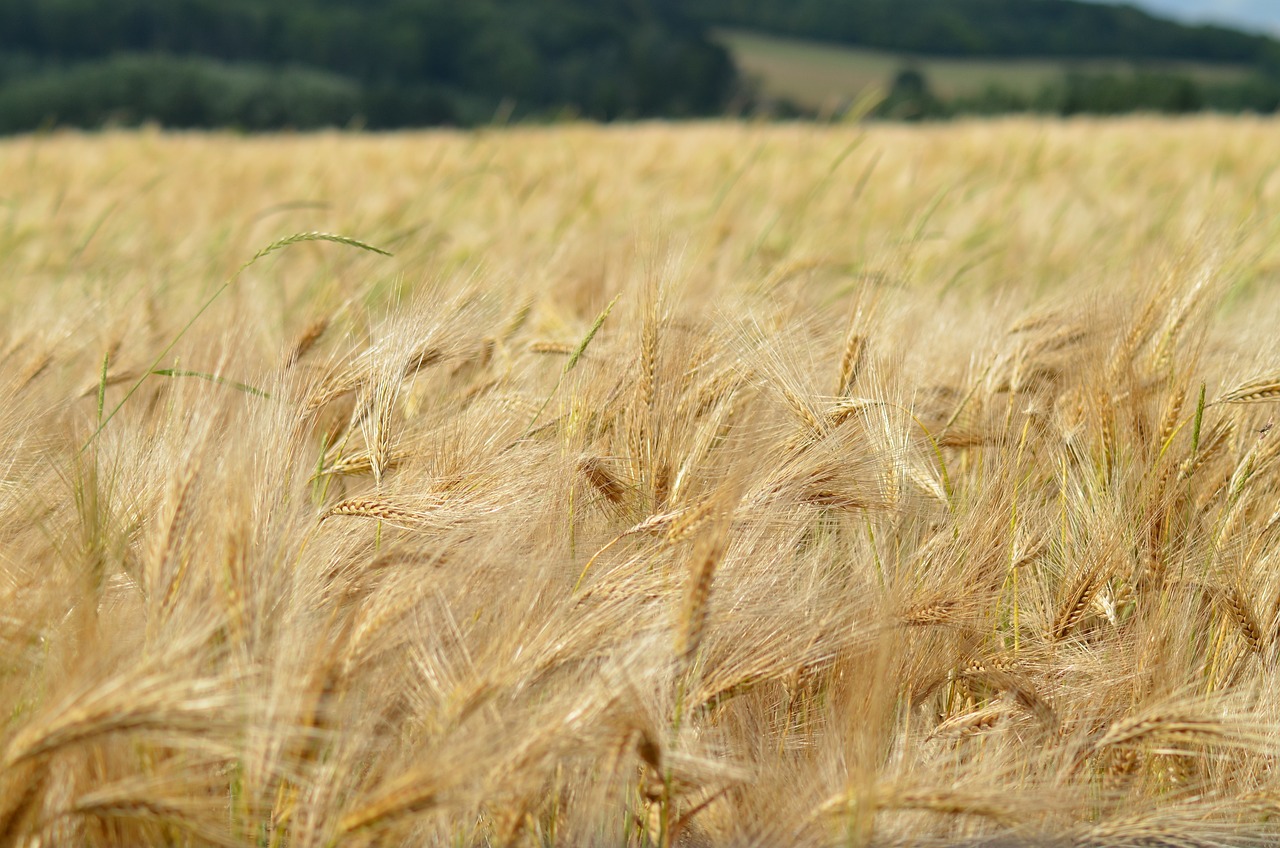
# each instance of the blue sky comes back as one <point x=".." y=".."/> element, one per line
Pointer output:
<point x="1255" y="14"/>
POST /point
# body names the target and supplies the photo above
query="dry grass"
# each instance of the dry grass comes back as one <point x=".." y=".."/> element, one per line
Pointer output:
<point x="549" y="530"/>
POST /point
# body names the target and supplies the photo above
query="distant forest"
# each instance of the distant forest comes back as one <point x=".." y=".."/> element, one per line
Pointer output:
<point x="268" y="64"/>
<point x="387" y="63"/>
<point x="993" y="28"/>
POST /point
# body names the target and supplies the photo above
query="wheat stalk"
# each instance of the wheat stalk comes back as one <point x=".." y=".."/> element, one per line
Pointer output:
<point x="1241" y="613"/>
<point x="1076" y="604"/>
<point x="1258" y="390"/>
<point x="694" y="611"/>
<point x="306" y="340"/>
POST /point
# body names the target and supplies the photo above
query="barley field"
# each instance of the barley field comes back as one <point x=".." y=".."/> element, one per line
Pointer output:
<point x="668" y="485"/>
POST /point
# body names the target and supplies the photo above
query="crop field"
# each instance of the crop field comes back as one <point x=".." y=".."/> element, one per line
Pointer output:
<point x="668" y="485"/>
<point x="829" y="76"/>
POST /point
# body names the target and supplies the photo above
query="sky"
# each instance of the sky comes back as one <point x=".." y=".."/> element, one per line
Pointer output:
<point x="1261" y="15"/>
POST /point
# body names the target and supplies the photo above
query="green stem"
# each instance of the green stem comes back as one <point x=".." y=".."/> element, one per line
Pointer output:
<point x="269" y="249"/>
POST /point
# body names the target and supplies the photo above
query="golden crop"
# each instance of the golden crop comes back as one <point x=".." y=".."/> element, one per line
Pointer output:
<point x="677" y="485"/>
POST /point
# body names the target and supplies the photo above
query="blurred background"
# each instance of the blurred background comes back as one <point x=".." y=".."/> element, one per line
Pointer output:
<point x="258" y="65"/>
<point x="1257" y="14"/>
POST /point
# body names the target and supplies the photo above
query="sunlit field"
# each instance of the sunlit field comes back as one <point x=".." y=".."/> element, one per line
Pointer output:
<point x="827" y="77"/>
<point x="701" y="485"/>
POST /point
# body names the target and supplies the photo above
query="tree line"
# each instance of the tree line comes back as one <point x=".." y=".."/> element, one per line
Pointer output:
<point x="267" y="64"/>
<point x="994" y="28"/>
<point x="911" y="96"/>
<point x="383" y="63"/>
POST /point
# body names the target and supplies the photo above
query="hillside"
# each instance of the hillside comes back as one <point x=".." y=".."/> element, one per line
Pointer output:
<point x="387" y="62"/>
<point x="270" y="64"/>
<point x="1026" y="28"/>
<point x="823" y="78"/>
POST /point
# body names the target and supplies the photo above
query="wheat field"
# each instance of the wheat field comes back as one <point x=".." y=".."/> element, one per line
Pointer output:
<point x="701" y="485"/>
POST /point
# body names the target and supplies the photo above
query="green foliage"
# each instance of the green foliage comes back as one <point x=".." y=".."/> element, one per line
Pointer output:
<point x="1115" y="94"/>
<point x="992" y="28"/>
<point x="268" y="64"/>
<point x="910" y="98"/>
<point x="1118" y="93"/>
<point x="178" y="92"/>
<point x="1063" y="31"/>
<point x="387" y="63"/>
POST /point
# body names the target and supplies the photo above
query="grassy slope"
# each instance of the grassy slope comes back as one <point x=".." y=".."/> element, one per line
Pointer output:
<point x="879" y="508"/>
<point x="821" y="76"/>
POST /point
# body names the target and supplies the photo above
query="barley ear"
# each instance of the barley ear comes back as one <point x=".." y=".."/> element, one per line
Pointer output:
<point x="1169" y="420"/>
<point x="694" y="612"/>
<point x="572" y="362"/>
<point x="1255" y="391"/>
<point x="307" y="340"/>
<point x="1077" y="603"/>
<point x="855" y="346"/>
<point x="1238" y="608"/>
<point x="1199" y="420"/>
<point x="102" y="386"/>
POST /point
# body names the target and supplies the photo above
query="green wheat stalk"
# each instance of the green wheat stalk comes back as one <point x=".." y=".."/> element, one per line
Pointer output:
<point x="269" y="249"/>
<point x="573" y="361"/>
<point x="213" y="378"/>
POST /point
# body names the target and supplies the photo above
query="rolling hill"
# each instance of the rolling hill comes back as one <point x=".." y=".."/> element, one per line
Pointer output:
<point x="1005" y="28"/>
<point x="822" y="77"/>
<point x="267" y="64"/>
